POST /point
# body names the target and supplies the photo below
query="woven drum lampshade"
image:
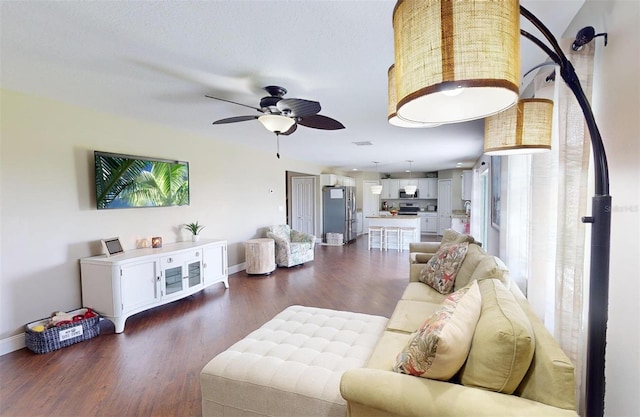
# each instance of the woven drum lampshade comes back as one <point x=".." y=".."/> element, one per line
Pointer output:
<point x="455" y="60"/>
<point x="524" y="128"/>
<point x="392" y="116"/>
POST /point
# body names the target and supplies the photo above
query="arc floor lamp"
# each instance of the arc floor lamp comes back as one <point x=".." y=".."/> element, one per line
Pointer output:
<point x="600" y="221"/>
<point x="483" y="38"/>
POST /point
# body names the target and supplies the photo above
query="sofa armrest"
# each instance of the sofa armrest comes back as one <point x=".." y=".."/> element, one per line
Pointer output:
<point x="424" y="247"/>
<point x="397" y="394"/>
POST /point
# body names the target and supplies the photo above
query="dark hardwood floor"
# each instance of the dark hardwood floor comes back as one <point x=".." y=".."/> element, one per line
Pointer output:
<point x="153" y="368"/>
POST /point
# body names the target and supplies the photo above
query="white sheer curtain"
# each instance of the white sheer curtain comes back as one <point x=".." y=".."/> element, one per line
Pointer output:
<point x="546" y="195"/>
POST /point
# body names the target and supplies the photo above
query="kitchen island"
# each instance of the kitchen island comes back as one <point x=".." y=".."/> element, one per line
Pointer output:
<point x="398" y="221"/>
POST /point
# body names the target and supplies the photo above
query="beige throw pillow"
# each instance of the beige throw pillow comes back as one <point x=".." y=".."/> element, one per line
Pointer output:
<point x="503" y="344"/>
<point x="439" y="348"/>
<point x="441" y="270"/>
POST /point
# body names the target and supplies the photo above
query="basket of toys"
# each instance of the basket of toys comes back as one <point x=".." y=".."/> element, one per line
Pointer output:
<point x="62" y="330"/>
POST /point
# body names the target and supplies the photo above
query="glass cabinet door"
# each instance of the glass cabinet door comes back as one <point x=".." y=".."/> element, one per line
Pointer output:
<point x="173" y="280"/>
<point x="194" y="268"/>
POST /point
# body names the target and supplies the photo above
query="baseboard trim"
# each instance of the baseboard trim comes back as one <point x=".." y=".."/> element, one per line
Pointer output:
<point x="237" y="268"/>
<point x="11" y="344"/>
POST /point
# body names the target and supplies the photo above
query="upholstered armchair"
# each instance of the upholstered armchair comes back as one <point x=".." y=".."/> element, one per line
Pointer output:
<point x="292" y="247"/>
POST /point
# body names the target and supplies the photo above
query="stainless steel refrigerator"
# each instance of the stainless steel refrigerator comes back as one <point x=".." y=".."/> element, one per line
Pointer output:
<point x="339" y="212"/>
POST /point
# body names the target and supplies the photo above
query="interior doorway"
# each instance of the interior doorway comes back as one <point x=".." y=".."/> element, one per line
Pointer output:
<point x="303" y="192"/>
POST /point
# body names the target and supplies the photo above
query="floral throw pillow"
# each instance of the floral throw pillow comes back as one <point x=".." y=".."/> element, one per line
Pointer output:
<point x="439" y="348"/>
<point x="441" y="270"/>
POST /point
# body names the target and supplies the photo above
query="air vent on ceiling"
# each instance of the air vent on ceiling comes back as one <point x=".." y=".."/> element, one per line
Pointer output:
<point x="363" y="143"/>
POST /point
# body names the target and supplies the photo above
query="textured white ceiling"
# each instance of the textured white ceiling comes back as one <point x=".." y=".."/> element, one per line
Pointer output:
<point x="155" y="61"/>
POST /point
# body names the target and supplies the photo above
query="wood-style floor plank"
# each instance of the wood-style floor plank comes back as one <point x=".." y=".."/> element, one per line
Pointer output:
<point x="153" y="368"/>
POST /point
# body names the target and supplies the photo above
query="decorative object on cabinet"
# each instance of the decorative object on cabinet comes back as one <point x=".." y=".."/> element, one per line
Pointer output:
<point x="119" y="287"/>
<point x="195" y="229"/>
<point x="125" y="181"/>
<point x="112" y="246"/>
<point x="376" y="189"/>
<point x="156" y="242"/>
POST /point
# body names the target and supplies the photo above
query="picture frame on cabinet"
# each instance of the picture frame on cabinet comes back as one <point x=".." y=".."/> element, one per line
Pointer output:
<point x="495" y="191"/>
<point x="112" y="246"/>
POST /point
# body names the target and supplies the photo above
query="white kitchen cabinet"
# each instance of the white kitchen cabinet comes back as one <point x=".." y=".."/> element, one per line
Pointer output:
<point x="120" y="286"/>
<point x="428" y="188"/>
<point x="467" y="184"/>
<point x="336" y="180"/>
<point x="390" y="188"/>
<point x="429" y="223"/>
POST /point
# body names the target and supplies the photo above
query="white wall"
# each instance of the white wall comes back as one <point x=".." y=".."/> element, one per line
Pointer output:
<point x="48" y="215"/>
<point x="616" y="104"/>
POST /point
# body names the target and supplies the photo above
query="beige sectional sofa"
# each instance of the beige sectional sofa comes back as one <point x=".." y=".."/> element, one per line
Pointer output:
<point x="513" y="368"/>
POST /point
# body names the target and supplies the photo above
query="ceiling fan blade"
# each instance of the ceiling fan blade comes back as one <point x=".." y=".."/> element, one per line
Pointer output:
<point x="235" y="119"/>
<point x="318" y="121"/>
<point x="298" y="107"/>
<point x="233" y="102"/>
<point x="291" y="130"/>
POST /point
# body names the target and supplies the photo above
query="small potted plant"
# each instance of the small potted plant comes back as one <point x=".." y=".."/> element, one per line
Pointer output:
<point x="195" y="229"/>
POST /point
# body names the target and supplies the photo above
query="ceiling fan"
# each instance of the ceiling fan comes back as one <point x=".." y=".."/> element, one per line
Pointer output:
<point x="283" y="115"/>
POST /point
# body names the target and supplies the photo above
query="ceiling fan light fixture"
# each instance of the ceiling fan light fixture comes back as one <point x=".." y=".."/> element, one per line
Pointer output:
<point x="455" y="60"/>
<point x="276" y="123"/>
<point x="524" y="128"/>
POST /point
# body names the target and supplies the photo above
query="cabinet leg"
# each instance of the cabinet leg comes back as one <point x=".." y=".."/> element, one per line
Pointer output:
<point x="119" y="323"/>
<point x="226" y="283"/>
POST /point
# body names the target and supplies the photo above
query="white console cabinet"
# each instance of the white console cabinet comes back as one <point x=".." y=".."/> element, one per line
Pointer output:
<point x="120" y="286"/>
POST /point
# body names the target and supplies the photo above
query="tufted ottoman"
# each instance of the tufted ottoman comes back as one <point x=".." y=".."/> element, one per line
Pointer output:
<point x="291" y="366"/>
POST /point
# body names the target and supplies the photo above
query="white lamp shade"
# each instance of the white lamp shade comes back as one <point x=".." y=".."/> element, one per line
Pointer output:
<point x="455" y="60"/>
<point x="376" y="189"/>
<point x="276" y="123"/>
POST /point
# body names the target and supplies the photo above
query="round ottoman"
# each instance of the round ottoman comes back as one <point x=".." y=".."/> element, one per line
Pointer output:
<point x="260" y="256"/>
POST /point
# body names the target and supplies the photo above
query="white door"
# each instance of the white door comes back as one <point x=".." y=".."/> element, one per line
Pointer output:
<point x="370" y="203"/>
<point x="303" y="191"/>
<point x="444" y="206"/>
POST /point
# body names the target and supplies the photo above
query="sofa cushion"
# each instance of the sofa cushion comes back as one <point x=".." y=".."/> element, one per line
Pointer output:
<point x="441" y="270"/>
<point x="384" y="354"/>
<point x="439" y="348"/>
<point x="419" y="291"/>
<point x="409" y="315"/>
<point x="492" y="267"/>
<point x="503" y="343"/>
<point x="475" y="254"/>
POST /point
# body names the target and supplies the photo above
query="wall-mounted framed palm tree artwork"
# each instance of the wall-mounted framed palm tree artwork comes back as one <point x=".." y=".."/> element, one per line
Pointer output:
<point x="126" y="181"/>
